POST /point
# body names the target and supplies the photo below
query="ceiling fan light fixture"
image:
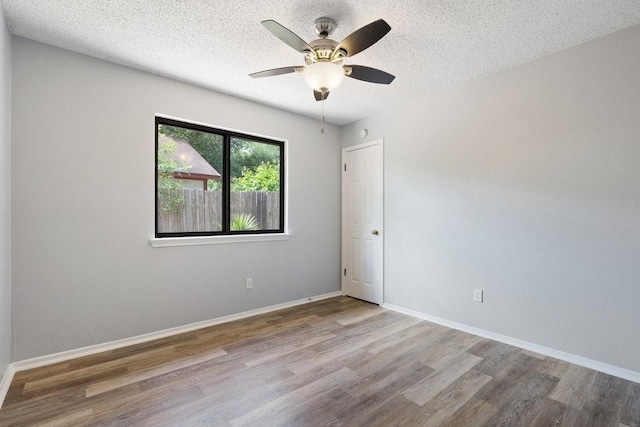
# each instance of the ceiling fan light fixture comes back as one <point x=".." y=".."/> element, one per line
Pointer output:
<point x="323" y="76"/>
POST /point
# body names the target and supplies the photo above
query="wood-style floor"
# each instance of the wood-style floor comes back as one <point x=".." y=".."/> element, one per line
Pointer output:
<point x="329" y="363"/>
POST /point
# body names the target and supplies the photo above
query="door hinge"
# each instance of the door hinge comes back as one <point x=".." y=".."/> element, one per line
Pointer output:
<point x="345" y="272"/>
<point x="345" y="167"/>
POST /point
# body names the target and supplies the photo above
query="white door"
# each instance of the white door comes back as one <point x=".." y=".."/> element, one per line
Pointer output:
<point x="362" y="231"/>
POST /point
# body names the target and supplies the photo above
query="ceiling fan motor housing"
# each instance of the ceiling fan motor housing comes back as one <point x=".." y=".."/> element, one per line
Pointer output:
<point x="323" y="50"/>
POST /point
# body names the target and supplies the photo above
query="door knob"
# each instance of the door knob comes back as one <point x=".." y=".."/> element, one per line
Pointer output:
<point x="375" y="232"/>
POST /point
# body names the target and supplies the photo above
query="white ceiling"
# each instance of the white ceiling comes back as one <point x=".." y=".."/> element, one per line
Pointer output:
<point x="433" y="45"/>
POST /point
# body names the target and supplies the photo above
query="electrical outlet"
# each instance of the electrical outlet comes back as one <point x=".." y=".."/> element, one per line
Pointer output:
<point x="477" y="295"/>
<point x="249" y="283"/>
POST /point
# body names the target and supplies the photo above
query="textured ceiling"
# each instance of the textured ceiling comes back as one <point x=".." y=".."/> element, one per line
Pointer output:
<point x="433" y="45"/>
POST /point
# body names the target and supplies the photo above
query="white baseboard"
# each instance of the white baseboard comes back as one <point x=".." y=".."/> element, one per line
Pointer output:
<point x="5" y="383"/>
<point x="546" y="351"/>
<point x="98" y="348"/>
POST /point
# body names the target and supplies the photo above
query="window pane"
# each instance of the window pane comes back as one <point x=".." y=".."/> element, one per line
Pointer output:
<point x="189" y="180"/>
<point x="255" y="185"/>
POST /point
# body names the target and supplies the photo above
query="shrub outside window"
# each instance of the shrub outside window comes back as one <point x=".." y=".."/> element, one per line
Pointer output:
<point x="216" y="182"/>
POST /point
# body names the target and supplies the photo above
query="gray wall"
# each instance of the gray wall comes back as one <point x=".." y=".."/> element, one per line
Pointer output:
<point x="525" y="184"/>
<point x="83" y="207"/>
<point x="5" y="196"/>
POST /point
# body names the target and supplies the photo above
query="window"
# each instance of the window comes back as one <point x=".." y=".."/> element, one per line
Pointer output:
<point x="216" y="182"/>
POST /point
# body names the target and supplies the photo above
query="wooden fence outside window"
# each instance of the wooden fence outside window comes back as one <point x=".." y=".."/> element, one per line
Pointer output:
<point x="202" y="210"/>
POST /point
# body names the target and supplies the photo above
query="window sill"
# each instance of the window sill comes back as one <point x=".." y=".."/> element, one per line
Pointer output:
<point x="216" y="240"/>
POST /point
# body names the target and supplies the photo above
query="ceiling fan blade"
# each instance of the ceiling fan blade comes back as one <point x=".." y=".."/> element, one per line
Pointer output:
<point x="371" y="75"/>
<point x="361" y="39"/>
<point x="274" y="72"/>
<point x="320" y="95"/>
<point x="286" y="35"/>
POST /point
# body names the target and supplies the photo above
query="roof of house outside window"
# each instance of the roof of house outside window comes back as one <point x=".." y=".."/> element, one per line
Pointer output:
<point x="185" y="153"/>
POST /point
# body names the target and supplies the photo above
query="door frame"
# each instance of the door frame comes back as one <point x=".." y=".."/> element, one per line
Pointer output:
<point x="344" y="236"/>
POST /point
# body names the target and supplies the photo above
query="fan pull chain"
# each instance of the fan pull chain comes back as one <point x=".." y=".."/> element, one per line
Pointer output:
<point x="322" y="119"/>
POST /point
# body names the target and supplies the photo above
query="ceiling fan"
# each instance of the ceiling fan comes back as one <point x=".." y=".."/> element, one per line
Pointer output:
<point x="324" y="57"/>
